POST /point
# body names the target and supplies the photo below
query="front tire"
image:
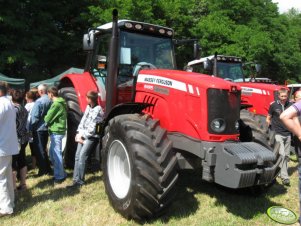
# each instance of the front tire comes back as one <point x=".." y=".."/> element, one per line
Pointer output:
<point x="139" y="166"/>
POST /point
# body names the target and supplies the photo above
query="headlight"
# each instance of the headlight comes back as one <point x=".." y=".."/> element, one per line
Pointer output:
<point x="218" y="125"/>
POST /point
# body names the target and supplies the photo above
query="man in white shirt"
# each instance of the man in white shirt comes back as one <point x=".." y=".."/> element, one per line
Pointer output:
<point x="8" y="147"/>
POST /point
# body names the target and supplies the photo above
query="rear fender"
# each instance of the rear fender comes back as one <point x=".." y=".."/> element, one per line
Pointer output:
<point x="82" y="84"/>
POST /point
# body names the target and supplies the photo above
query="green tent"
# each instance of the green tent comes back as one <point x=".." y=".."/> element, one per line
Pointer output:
<point x="54" y="80"/>
<point x="15" y="83"/>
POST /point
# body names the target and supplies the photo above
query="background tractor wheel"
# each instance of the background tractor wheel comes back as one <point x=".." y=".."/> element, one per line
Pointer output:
<point x="73" y="118"/>
<point x="259" y="131"/>
<point x="139" y="166"/>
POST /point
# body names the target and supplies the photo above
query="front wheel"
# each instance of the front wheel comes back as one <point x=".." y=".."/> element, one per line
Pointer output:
<point x="139" y="166"/>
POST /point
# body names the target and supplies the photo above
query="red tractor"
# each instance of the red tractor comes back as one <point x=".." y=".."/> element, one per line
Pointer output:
<point x="257" y="93"/>
<point x="159" y="120"/>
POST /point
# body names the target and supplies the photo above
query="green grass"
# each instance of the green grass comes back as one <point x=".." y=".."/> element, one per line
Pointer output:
<point x="197" y="203"/>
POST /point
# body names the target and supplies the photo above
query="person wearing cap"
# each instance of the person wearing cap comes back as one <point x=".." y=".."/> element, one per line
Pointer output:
<point x="86" y="137"/>
<point x="290" y="117"/>
<point x="8" y="148"/>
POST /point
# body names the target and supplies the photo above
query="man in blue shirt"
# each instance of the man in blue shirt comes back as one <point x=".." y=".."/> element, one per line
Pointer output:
<point x="40" y="130"/>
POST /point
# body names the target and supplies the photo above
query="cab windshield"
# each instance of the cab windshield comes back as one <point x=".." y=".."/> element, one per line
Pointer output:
<point x="135" y="48"/>
<point x="230" y="71"/>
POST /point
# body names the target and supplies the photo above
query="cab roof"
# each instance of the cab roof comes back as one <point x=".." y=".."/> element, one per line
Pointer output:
<point x="136" y="26"/>
<point x="219" y="58"/>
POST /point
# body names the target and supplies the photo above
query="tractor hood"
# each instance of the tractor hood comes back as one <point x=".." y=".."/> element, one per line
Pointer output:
<point x="191" y="103"/>
<point x="185" y="81"/>
<point x="261" y="88"/>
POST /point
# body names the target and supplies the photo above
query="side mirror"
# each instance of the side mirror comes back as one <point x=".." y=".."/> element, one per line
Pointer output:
<point x="88" y="41"/>
<point x="188" y="68"/>
<point x="196" y="50"/>
<point x="207" y="65"/>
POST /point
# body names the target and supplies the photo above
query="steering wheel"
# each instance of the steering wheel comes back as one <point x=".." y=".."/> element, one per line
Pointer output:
<point x="228" y="79"/>
<point x="142" y="65"/>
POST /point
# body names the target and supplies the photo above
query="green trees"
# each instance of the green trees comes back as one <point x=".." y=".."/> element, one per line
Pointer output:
<point x="255" y="31"/>
<point x="39" y="39"/>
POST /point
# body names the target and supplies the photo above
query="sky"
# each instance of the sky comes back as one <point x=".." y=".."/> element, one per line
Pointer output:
<point x="285" y="5"/>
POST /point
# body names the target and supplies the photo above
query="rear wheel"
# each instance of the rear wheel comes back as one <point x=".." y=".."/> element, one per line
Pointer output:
<point x="139" y="166"/>
<point x="73" y="118"/>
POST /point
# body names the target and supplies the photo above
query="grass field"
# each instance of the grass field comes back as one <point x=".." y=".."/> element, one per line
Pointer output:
<point x="197" y="203"/>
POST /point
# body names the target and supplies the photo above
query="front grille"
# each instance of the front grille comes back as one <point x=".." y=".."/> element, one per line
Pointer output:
<point x="225" y="105"/>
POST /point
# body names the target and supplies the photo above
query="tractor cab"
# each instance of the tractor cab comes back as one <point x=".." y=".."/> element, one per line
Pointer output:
<point x="140" y="45"/>
<point x="226" y="67"/>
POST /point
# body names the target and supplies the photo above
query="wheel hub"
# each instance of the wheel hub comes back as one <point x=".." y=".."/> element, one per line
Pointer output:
<point x="119" y="169"/>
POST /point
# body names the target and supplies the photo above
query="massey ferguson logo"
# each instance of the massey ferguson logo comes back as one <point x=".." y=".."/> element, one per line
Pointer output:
<point x="158" y="81"/>
<point x="248" y="91"/>
<point x="161" y="81"/>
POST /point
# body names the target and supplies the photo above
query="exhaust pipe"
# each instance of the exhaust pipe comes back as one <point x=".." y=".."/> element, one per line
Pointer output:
<point x="215" y="65"/>
<point x="111" y="82"/>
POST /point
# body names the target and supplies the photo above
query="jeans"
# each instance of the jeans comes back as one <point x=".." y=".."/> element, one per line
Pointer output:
<point x="81" y="156"/>
<point x="284" y="151"/>
<point x="40" y="139"/>
<point x="55" y="152"/>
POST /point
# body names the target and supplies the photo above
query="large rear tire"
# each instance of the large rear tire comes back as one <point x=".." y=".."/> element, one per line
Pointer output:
<point x="139" y="166"/>
<point x="74" y="115"/>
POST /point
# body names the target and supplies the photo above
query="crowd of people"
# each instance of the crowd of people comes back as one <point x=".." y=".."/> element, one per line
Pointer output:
<point x="43" y="116"/>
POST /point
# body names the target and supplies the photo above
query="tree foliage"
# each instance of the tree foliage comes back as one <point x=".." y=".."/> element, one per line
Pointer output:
<point x="39" y="39"/>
